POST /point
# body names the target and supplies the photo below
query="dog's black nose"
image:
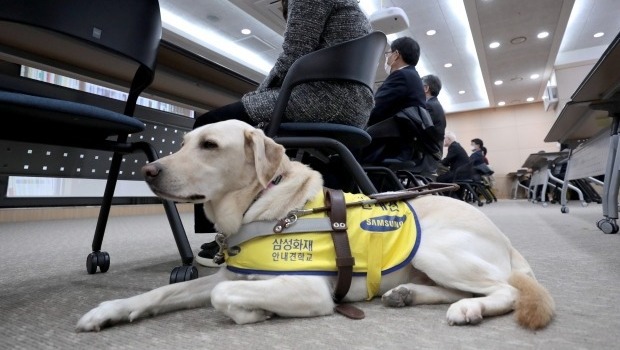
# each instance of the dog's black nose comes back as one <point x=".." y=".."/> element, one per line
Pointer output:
<point x="150" y="171"/>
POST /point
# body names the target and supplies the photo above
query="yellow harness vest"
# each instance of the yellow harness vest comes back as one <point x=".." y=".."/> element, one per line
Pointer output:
<point x="383" y="237"/>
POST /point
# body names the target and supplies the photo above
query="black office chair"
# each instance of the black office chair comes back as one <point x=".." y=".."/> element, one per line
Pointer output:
<point x="114" y="41"/>
<point x="329" y="140"/>
<point x="470" y="189"/>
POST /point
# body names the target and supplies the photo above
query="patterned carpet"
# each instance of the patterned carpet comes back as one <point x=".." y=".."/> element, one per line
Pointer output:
<point x="44" y="289"/>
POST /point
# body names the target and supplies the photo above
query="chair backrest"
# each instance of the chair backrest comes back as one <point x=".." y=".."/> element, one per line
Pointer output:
<point x="354" y="60"/>
<point x="74" y="34"/>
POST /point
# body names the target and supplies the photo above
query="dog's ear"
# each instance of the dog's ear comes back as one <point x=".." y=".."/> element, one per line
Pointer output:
<point x="267" y="154"/>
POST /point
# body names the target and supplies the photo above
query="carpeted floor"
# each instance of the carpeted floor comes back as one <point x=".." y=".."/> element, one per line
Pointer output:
<point x="44" y="289"/>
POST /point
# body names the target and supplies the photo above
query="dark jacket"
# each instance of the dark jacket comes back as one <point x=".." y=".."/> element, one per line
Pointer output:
<point x="456" y="156"/>
<point x="437" y="114"/>
<point x="477" y="158"/>
<point x="401" y="89"/>
<point x="458" y="163"/>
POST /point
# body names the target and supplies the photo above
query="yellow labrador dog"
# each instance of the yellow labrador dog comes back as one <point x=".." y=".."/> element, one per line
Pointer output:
<point x="462" y="257"/>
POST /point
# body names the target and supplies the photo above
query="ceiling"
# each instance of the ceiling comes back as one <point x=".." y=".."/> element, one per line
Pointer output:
<point x="464" y="30"/>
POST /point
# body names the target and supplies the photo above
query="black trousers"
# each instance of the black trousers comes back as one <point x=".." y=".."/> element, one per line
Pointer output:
<point x="234" y="110"/>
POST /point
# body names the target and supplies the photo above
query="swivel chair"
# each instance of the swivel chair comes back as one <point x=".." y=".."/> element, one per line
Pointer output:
<point x="327" y="140"/>
<point x="114" y="42"/>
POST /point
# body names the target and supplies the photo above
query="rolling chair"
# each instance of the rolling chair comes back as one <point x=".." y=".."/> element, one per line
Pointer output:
<point x="470" y="188"/>
<point x="113" y="41"/>
<point x="328" y="141"/>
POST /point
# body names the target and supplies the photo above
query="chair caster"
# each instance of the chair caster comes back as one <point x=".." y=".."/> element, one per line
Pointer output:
<point x="584" y="204"/>
<point x="545" y="204"/>
<point x="480" y="203"/>
<point x="97" y="259"/>
<point x="564" y="209"/>
<point x="607" y="225"/>
<point x="183" y="273"/>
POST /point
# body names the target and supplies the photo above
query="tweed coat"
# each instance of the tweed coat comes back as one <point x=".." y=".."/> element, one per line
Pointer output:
<point x="313" y="25"/>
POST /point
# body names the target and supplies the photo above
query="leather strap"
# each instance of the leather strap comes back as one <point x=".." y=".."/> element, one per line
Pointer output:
<point x="334" y="199"/>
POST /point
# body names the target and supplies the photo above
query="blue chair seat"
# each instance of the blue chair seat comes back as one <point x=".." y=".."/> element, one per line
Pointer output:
<point x="64" y="117"/>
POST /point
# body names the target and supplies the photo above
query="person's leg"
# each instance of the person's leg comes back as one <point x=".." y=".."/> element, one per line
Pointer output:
<point x="235" y="110"/>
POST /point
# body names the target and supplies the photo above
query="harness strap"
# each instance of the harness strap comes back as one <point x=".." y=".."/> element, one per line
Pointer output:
<point x="334" y="199"/>
<point x="344" y="259"/>
<point x="265" y="228"/>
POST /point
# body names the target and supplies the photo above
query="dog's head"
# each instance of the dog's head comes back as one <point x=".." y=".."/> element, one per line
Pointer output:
<point x="215" y="160"/>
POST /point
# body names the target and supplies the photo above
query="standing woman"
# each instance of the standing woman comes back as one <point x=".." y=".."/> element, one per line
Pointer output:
<point x="310" y="25"/>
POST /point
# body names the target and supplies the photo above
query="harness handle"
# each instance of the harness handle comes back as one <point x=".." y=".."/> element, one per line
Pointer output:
<point x="334" y="199"/>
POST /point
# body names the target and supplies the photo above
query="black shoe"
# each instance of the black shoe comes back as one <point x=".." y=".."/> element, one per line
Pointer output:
<point x="210" y="246"/>
<point x="206" y="254"/>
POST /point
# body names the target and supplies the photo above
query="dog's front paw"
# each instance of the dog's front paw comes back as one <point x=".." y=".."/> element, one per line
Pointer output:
<point x="397" y="297"/>
<point x="106" y="314"/>
<point x="463" y="312"/>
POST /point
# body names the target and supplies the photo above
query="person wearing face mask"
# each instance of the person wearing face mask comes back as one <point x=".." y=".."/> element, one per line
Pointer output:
<point x="477" y="157"/>
<point x="401" y="89"/>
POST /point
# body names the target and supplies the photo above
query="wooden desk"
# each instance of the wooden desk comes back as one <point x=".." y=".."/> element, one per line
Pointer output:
<point x="588" y="125"/>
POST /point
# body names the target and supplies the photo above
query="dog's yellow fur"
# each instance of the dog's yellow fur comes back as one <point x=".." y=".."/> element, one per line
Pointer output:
<point x="463" y="258"/>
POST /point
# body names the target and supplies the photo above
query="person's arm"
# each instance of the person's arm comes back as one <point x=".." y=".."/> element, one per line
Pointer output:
<point x="304" y="28"/>
<point x="393" y="89"/>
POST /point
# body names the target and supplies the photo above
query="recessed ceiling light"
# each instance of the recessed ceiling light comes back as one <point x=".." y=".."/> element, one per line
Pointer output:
<point x="530" y="99"/>
<point x="498" y="82"/>
<point x="431" y="32"/>
<point x="501" y="103"/>
<point x="461" y="92"/>
<point x="494" y="45"/>
<point x="542" y="35"/>
<point x="599" y="34"/>
<point x="448" y="65"/>
<point x="245" y="31"/>
<point x="534" y="76"/>
<point x="518" y="40"/>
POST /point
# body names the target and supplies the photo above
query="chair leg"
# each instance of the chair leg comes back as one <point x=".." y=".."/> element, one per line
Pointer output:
<point x="355" y="169"/>
<point x="102" y="259"/>
<point x="384" y="178"/>
<point x="178" y="231"/>
<point x="106" y="203"/>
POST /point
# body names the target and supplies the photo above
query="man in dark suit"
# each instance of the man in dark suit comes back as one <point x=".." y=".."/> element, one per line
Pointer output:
<point x="401" y="89"/>
<point x="426" y="163"/>
<point x="456" y="161"/>
<point x="403" y="86"/>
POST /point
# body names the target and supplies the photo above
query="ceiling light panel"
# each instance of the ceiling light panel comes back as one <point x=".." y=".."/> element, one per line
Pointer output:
<point x="503" y="22"/>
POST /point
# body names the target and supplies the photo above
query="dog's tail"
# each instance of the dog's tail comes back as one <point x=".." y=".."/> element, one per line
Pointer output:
<point x="534" y="307"/>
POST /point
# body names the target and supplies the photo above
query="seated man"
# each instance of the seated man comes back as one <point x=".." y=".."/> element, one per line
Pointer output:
<point x="456" y="161"/>
<point x="402" y="88"/>
<point x="407" y="123"/>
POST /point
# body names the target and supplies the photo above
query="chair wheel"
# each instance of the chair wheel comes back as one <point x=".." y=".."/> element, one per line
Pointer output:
<point x="183" y="273"/>
<point x="608" y="226"/>
<point x="564" y="209"/>
<point x="97" y="259"/>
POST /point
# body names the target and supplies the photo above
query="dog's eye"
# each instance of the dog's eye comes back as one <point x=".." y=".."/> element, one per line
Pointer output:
<point x="209" y="144"/>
